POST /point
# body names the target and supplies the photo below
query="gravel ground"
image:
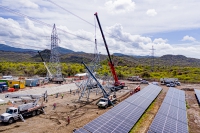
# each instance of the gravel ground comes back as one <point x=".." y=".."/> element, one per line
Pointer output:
<point x="82" y="112"/>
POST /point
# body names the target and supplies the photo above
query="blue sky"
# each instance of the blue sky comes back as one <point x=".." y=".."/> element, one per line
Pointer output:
<point x="171" y="27"/>
<point x="177" y="36"/>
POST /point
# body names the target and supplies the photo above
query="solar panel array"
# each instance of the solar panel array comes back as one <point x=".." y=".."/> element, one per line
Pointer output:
<point x="172" y="115"/>
<point x="122" y="117"/>
<point x="197" y="92"/>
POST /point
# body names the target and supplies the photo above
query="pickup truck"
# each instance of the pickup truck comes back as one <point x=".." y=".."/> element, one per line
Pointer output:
<point x="144" y="82"/>
<point x="104" y="102"/>
<point x="171" y="85"/>
<point x="177" y="83"/>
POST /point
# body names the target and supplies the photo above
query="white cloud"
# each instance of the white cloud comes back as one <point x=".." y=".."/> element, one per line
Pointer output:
<point x="116" y="32"/>
<point x="133" y="28"/>
<point x="28" y="4"/>
<point x="2" y="42"/>
<point x="159" y="40"/>
<point x="20" y="4"/>
<point x="119" y="6"/>
<point x="175" y="7"/>
<point x="188" y="38"/>
<point x="151" y="12"/>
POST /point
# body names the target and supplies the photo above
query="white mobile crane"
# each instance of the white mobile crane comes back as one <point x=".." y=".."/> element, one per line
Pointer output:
<point x="26" y="109"/>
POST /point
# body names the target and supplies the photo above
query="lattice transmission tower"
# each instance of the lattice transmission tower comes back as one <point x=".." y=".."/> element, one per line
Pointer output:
<point x="86" y="85"/>
<point x="54" y="62"/>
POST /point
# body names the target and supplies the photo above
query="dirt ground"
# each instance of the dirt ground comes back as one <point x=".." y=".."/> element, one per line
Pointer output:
<point x="80" y="113"/>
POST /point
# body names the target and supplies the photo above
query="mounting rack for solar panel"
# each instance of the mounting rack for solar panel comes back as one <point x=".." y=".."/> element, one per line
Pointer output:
<point x="122" y="117"/>
<point x="197" y="94"/>
<point x="172" y="115"/>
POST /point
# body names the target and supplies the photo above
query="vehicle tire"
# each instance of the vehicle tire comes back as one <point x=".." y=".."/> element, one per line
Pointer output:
<point x="114" y="96"/>
<point x="33" y="113"/>
<point x="38" y="112"/>
<point x="106" y="106"/>
<point x="10" y="121"/>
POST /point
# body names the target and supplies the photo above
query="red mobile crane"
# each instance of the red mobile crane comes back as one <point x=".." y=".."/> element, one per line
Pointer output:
<point x="110" y="63"/>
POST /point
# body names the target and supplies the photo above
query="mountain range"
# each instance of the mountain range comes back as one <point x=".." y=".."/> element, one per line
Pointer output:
<point x="12" y="54"/>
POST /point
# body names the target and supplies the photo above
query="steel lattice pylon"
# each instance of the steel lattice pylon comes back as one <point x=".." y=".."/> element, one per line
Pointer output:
<point x="54" y="62"/>
<point x="89" y="83"/>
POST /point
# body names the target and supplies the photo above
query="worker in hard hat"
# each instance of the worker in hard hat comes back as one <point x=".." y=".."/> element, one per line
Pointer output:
<point x="68" y="120"/>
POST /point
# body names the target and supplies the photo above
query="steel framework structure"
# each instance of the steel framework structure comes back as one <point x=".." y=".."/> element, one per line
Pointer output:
<point x="54" y="62"/>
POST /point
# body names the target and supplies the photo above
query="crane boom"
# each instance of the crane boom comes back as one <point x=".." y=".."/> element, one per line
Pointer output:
<point x="50" y="75"/>
<point x="34" y="96"/>
<point x="105" y="94"/>
<point x="112" y="68"/>
<point x="110" y="60"/>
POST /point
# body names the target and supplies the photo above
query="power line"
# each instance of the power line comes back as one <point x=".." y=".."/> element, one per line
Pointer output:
<point x="22" y="30"/>
<point x="70" y="12"/>
<point x="40" y="22"/>
<point x="39" y="47"/>
<point x="48" y="25"/>
<point x="85" y="20"/>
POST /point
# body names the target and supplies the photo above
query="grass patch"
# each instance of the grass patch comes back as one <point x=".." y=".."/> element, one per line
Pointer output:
<point x="143" y="119"/>
<point x="187" y="106"/>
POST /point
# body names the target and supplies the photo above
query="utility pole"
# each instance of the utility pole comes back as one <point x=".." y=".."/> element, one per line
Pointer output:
<point x="152" y="55"/>
<point x="54" y="62"/>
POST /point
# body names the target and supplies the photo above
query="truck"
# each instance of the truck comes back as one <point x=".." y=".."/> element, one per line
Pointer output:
<point x="134" y="78"/>
<point x="107" y="99"/>
<point x="117" y="83"/>
<point x="3" y="87"/>
<point x="104" y="102"/>
<point x="26" y="109"/>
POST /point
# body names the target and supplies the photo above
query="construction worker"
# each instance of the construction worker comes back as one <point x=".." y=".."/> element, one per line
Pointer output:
<point x="54" y="106"/>
<point x="62" y="95"/>
<point x="68" y="120"/>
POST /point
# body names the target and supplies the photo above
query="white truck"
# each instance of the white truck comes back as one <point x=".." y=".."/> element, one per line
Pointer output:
<point x="27" y="109"/>
<point x="105" y="102"/>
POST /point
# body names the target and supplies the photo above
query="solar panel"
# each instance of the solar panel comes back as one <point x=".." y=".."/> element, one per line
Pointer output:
<point x="122" y="117"/>
<point x="172" y="115"/>
<point x="197" y="93"/>
<point x="81" y="130"/>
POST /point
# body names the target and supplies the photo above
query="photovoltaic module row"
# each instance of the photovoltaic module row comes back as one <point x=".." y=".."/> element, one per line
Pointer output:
<point x="172" y="115"/>
<point x="122" y="117"/>
<point x="197" y="93"/>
